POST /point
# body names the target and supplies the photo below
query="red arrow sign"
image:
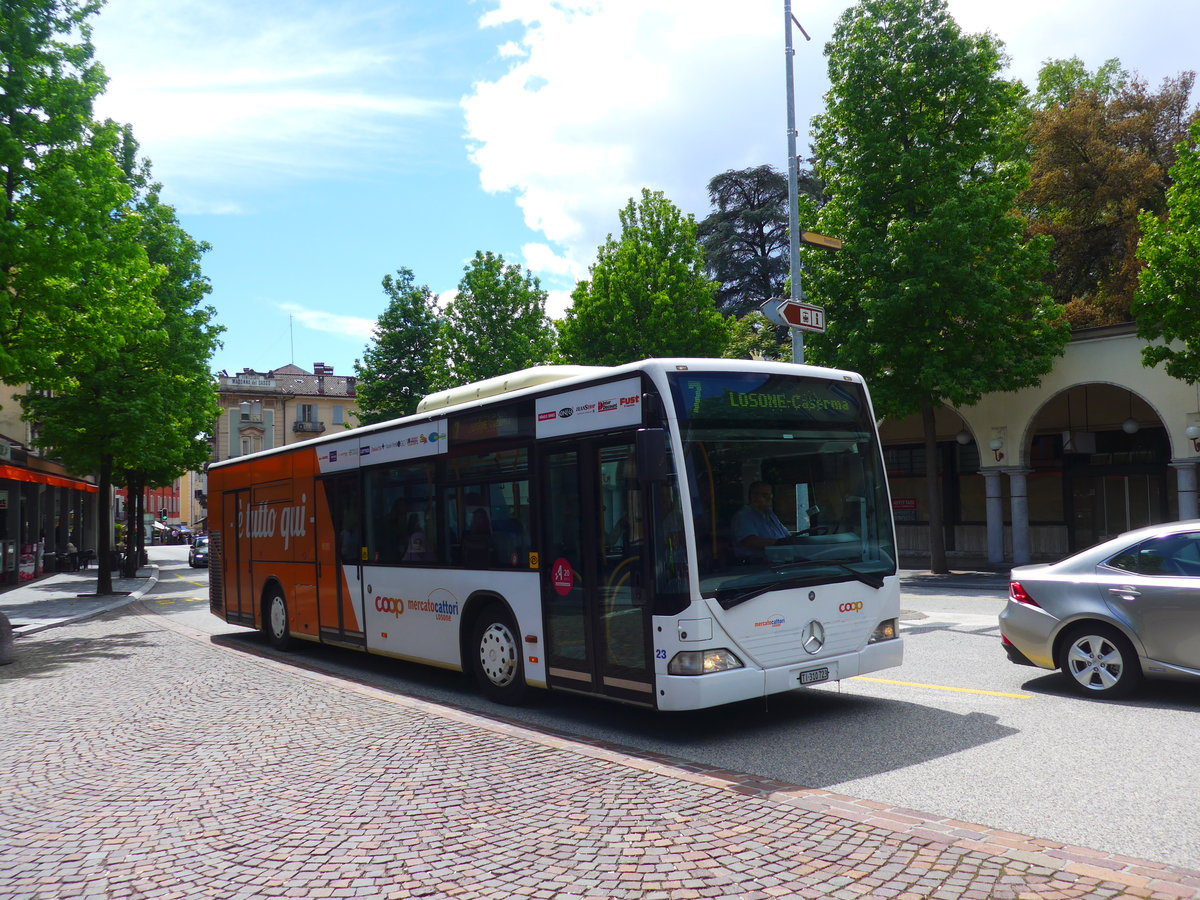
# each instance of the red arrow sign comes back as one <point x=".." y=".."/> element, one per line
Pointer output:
<point x="802" y="315"/>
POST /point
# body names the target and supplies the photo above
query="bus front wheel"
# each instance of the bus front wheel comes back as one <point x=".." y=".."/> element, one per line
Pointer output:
<point x="496" y="656"/>
<point x="275" y="622"/>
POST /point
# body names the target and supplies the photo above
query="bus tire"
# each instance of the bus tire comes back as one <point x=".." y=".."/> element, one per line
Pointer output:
<point x="496" y="658"/>
<point x="276" y="622"/>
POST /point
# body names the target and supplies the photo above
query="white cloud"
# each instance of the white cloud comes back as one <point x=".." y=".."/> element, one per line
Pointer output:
<point x="542" y="260"/>
<point x="330" y="323"/>
<point x="557" y="303"/>
<point x="610" y="96"/>
<point x="239" y="93"/>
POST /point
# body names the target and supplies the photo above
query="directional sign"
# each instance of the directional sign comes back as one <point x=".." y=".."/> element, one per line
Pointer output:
<point x="820" y="240"/>
<point x="802" y="315"/>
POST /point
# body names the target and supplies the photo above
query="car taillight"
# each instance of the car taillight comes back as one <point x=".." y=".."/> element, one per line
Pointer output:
<point x="1018" y="593"/>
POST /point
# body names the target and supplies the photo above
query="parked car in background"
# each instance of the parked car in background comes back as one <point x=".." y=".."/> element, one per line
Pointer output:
<point x="198" y="553"/>
<point x="1110" y="615"/>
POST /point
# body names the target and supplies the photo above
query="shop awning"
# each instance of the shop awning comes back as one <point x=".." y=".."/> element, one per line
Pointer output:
<point x="16" y="473"/>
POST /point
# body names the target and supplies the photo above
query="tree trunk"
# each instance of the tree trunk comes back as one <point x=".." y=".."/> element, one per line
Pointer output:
<point x="104" y="529"/>
<point x="937" y="537"/>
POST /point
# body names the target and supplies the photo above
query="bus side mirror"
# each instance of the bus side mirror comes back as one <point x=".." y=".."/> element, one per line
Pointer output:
<point x="652" y="459"/>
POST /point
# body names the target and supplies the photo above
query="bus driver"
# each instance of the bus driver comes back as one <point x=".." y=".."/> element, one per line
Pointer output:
<point x="756" y="526"/>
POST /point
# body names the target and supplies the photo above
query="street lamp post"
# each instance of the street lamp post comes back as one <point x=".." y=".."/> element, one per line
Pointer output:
<point x="797" y="291"/>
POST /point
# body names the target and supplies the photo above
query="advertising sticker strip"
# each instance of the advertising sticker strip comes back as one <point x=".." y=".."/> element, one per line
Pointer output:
<point x="598" y="408"/>
<point x="414" y="441"/>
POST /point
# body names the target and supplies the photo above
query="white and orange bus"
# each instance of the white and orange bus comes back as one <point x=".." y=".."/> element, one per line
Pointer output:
<point x="583" y="529"/>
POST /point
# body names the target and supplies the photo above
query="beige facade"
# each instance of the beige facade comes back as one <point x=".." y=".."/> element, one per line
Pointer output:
<point x="1099" y="447"/>
<point x="264" y="410"/>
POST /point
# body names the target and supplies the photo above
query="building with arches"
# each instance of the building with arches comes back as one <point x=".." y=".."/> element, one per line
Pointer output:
<point x="1099" y="447"/>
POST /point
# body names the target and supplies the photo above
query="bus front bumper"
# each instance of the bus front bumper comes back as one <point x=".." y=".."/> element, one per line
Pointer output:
<point x="680" y="692"/>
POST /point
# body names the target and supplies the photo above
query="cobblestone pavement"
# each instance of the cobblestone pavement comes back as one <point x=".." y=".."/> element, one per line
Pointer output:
<point x="140" y="760"/>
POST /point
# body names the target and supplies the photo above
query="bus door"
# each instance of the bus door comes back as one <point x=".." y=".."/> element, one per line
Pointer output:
<point x="235" y="574"/>
<point x="340" y="562"/>
<point x="594" y="585"/>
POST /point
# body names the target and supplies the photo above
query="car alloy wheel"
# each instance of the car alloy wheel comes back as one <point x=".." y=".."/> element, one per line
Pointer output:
<point x="1100" y="662"/>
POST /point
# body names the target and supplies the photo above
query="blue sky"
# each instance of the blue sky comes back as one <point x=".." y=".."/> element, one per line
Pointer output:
<point x="318" y="145"/>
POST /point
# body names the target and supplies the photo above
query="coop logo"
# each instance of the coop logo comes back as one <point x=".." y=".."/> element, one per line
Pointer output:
<point x="771" y="622"/>
<point x="547" y="416"/>
<point x="851" y="607"/>
<point x="393" y="605"/>
<point x="566" y="412"/>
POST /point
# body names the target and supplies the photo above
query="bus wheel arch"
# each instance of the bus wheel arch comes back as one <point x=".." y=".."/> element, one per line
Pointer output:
<point x="492" y="648"/>
<point x="276" y="621"/>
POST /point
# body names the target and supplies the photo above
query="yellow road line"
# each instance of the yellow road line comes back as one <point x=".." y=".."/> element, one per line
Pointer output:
<point x="188" y="580"/>
<point x="942" y="687"/>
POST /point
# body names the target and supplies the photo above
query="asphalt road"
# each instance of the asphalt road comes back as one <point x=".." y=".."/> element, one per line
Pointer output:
<point x="956" y="731"/>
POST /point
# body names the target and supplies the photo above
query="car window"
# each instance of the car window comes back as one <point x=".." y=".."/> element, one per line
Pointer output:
<point x="1172" y="554"/>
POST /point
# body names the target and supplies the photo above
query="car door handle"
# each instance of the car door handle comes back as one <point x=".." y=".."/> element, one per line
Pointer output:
<point x="1125" y="593"/>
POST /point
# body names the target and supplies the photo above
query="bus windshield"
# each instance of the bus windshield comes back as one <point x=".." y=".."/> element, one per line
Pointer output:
<point x="786" y="482"/>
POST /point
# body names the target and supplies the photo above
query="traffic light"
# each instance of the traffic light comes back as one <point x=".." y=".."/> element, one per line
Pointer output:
<point x="162" y="514"/>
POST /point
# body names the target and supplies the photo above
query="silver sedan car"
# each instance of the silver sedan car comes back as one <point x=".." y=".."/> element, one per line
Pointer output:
<point x="1112" y="614"/>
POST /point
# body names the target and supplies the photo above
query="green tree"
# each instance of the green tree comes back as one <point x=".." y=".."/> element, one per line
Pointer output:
<point x="745" y="237"/>
<point x="752" y="336"/>
<point x="396" y="369"/>
<point x="495" y="325"/>
<point x="1103" y="146"/>
<point x="1061" y="79"/>
<point x="648" y="295"/>
<point x="936" y="296"/>
<point x="1167" y="305"/>
<point x="67" y="274"/>
<point x="140" y="417"/>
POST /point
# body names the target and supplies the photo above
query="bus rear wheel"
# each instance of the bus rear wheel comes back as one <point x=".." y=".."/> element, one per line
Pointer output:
<point x="275" y="620"/>
<point x="496" y="656"/>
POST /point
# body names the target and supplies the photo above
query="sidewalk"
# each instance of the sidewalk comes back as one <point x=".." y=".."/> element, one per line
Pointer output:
<point x="63" y="597"/>
<point x="201" y="771"/>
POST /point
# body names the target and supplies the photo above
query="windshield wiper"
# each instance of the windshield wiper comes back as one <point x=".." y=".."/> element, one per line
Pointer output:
<point x="735" y="598"/>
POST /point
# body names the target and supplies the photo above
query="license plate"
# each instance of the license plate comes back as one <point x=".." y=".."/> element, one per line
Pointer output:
<point x="812" y="676"/>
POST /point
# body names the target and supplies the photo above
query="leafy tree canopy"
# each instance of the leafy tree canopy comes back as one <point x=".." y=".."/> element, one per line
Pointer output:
<point x="1061" y="79"/>
<point x="936" y="296"/>
<point x="1103" y="147"/>
<point x="753" y="336"/>
<point x="396" y="372"/>
<point x="496" y="324"/>
<point x="922" y="155"/>
<point x="745" y="237"/>
<point x="69" y="274"/>
<point x="1167" y="306"/>
<point x="648" y="295"/>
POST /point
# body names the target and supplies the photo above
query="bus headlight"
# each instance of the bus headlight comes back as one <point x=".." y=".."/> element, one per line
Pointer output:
<point x="885" y="631"/>
<point x="703" y="662"/>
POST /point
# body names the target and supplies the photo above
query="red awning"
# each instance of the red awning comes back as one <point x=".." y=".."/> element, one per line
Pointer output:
<point x="15" y="473"/>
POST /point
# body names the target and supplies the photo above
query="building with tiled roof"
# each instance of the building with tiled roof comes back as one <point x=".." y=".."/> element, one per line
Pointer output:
<point x="263" y="410"/>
